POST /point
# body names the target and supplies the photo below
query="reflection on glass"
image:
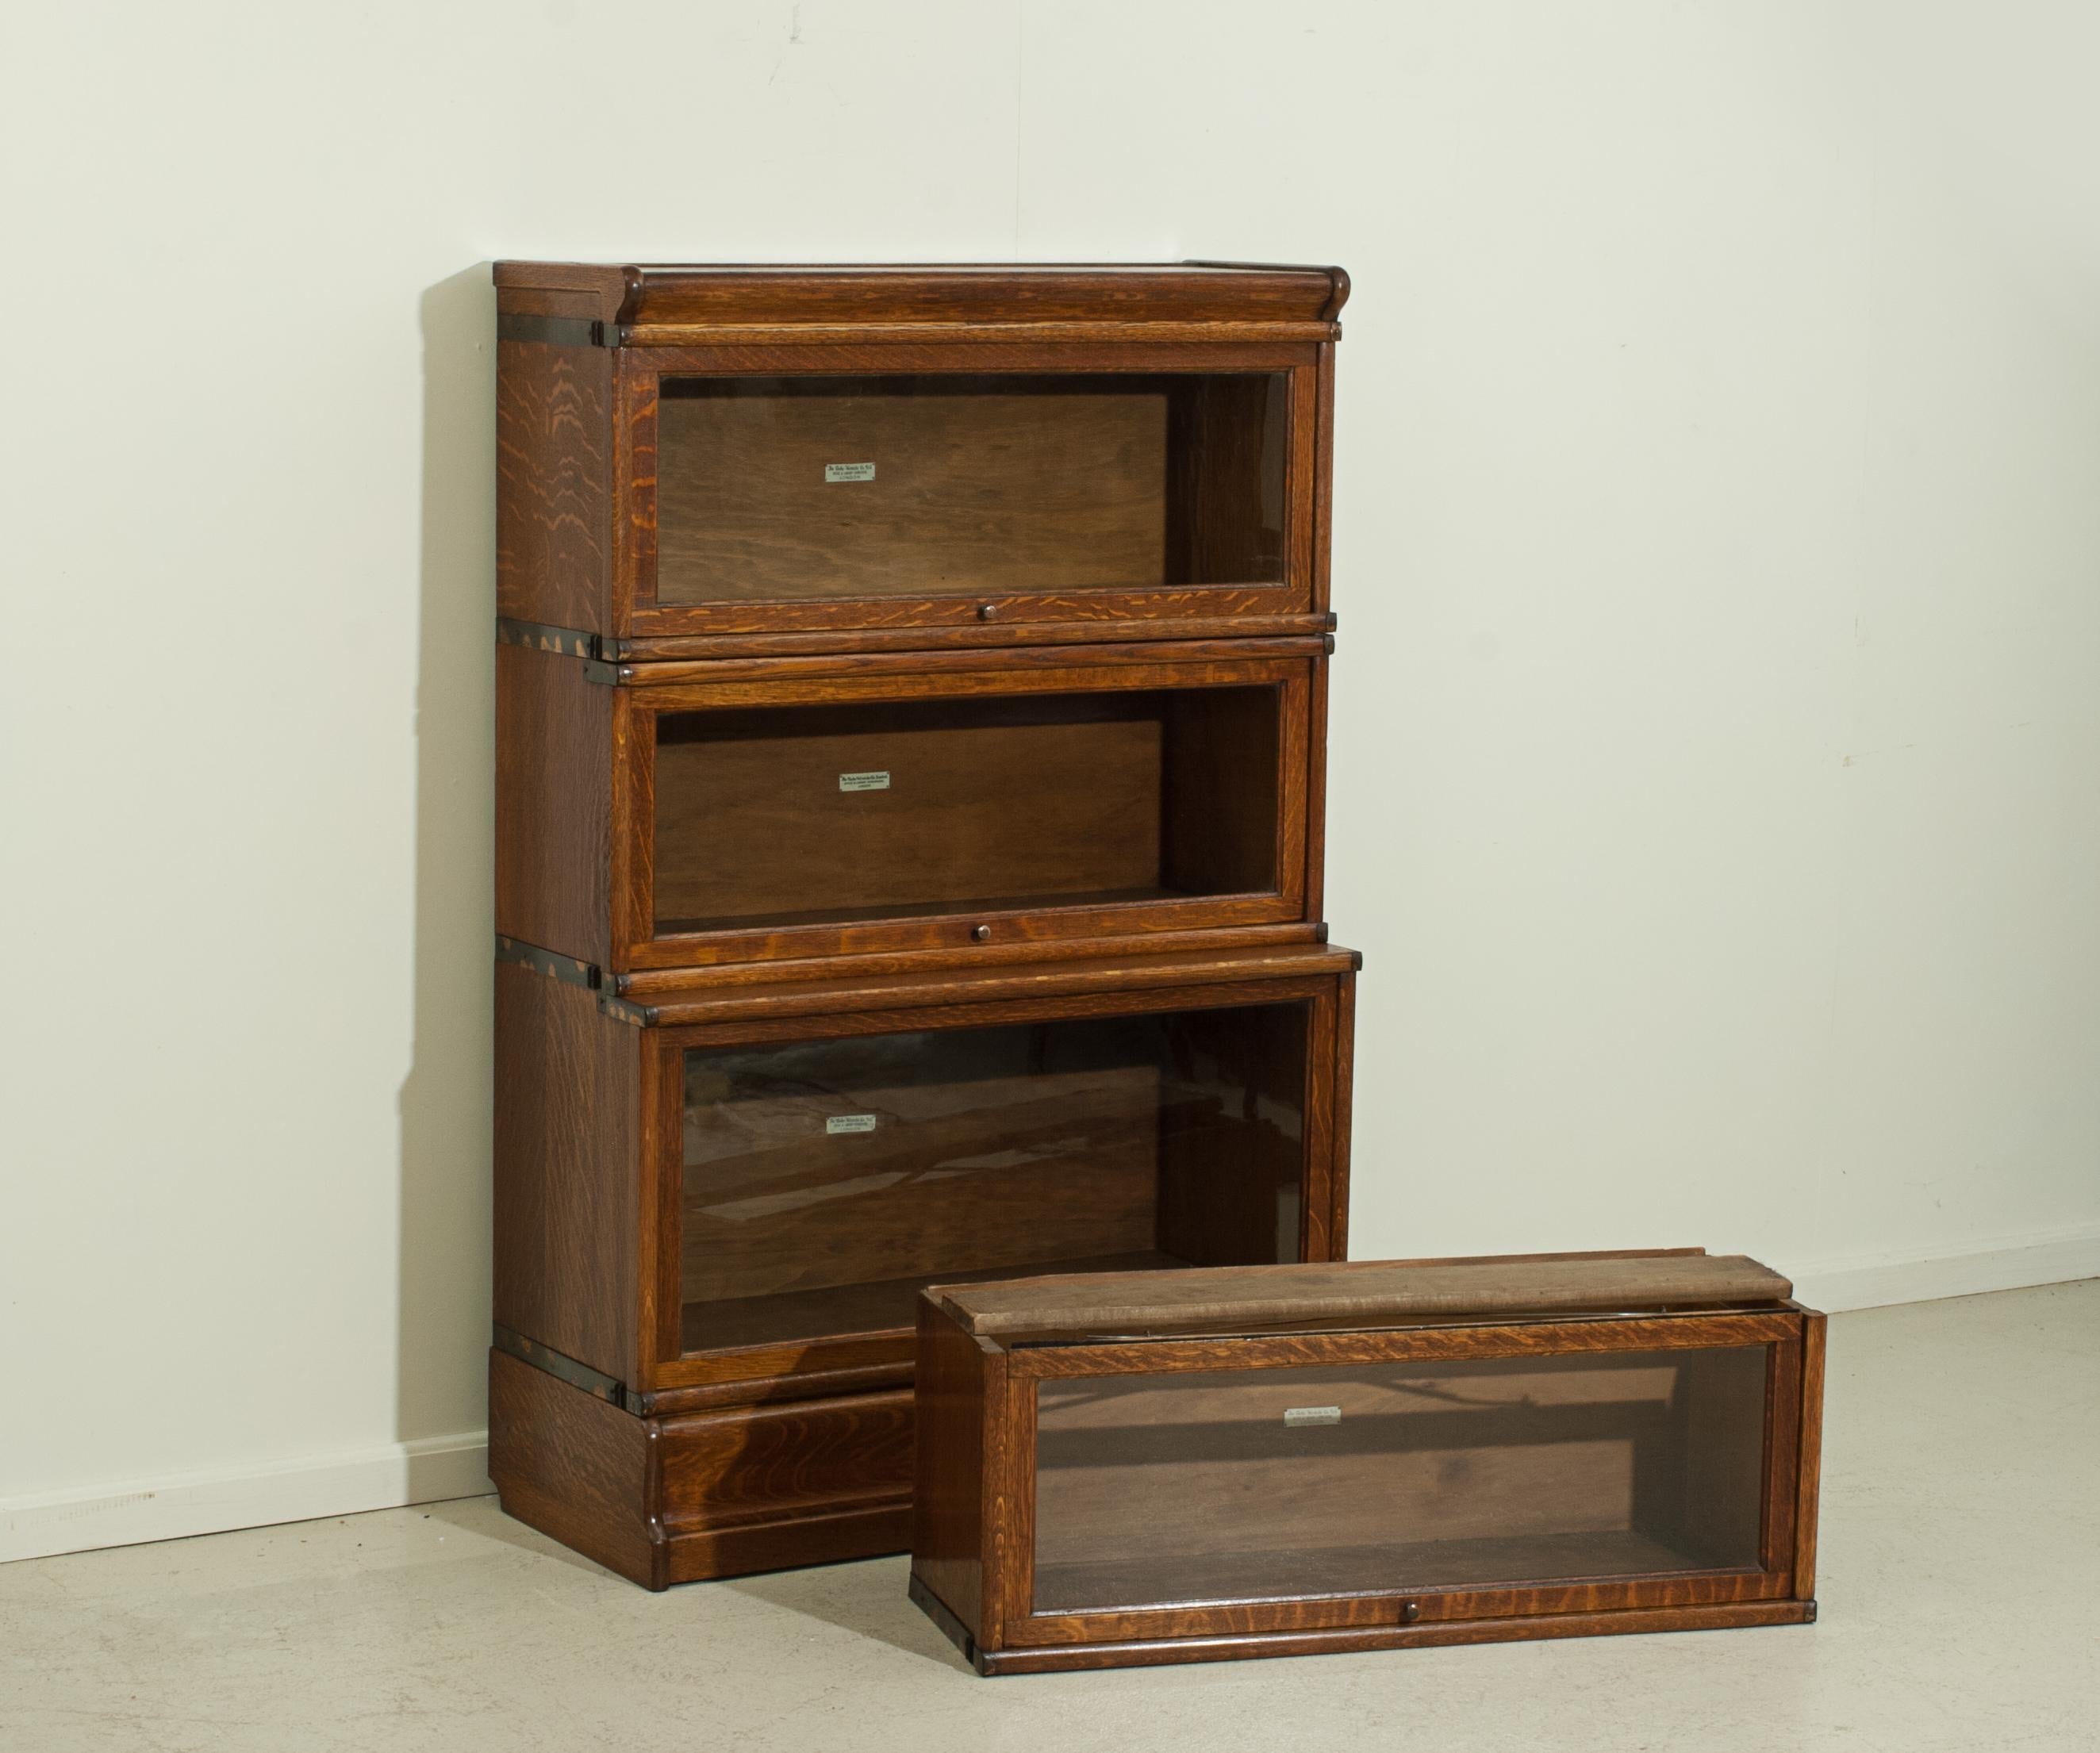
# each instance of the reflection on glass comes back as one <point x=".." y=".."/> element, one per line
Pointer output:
<point x="1237" y="1484"/>
<point x="826" y="1182"/>
<point x="780" y="488"/>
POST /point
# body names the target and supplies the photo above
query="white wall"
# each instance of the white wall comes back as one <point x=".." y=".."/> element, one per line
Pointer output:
<point x="1716" y="790"/>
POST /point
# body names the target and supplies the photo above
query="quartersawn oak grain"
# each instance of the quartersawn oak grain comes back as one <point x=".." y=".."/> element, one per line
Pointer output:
<point x="554" y="485"/>
<point x="567" y="1102"/>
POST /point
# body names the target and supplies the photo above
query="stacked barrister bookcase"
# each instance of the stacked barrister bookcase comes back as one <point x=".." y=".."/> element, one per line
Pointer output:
<point x="911" y="740"/>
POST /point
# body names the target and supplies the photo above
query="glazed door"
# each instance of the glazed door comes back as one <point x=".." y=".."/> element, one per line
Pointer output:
<point x="813" y="498"/>
<point x="1439" y="1483"/>
<point x="818" y="1182"/>
<point x="981" y="808"/>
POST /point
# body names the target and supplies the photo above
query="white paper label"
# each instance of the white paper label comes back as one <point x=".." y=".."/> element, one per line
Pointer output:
<point x="1294" y="1416"/>
<point x="849" y="472"/>
<point x="850" y="1123"/>
<point x="863" y="782"/>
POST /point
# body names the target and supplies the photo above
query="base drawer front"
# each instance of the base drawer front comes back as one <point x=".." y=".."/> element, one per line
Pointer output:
<point x="766" y="1464"/>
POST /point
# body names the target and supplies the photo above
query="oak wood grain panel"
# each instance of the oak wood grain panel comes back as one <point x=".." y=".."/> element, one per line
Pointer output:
<point x="984" y="493"/>
<point x="1808" y="1477"/>
<point x="991" y="928"/>
<point x="733" y="666"/>
<point x="1323" y="496"/>
<point x="1009" y="1496"/>
<point x="799" y="1536"/>
<point x="554" y="752"/>
<point x="711" y="295"/>
<point x="757" y="1464"/>
<point x="789" y="681"/>
<point x="1521" y="1337"/>
<point x="1124" y="613"/>
<point x="1340" y="1108"/>
<point x="643" y="983"/>
<point x="932" y="350"/>
<point x="947" y="1527"/>
<point x="1321" y="1205"/>
<point x="1167" y="971"/>
<point x="573" y="1466"/>
<point x="783" y="337"/>
<point x="1334" y="1613"/>
<point x="567" y="1170"/>
<point x="554" y="484"/>
<point x="1779" y="1461"/>
<point x="971" y="633"/>
<point x="1314" y="768"/>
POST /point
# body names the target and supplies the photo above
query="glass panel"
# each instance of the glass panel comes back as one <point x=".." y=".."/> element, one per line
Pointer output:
<point x="826" y="1182"/>
<point x="1368" y="1479"/>
<point x="774" y="488"/>
<point x="818" y="814"/>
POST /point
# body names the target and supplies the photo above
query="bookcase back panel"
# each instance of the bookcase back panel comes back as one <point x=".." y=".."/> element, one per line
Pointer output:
<point x="825" y="1181"/>
<point x="816" y="488"/>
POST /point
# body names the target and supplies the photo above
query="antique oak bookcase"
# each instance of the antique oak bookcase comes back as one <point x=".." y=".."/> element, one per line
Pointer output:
<point x="1138" y="1467"/>
<point x="910" y="743"/>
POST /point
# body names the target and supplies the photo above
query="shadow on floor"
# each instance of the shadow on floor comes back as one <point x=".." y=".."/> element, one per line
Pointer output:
<point x="867" y="1598"/>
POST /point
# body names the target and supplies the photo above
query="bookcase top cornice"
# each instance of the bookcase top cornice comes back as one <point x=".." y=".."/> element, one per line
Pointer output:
<point x="671" y="304"/>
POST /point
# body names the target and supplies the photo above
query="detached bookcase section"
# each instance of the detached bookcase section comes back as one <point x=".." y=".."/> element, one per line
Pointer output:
<point x="716" y="1208"/>
<point x="686" y="815"/>
<point x="1134" y="1468"/>
<point x="695" y="459"/>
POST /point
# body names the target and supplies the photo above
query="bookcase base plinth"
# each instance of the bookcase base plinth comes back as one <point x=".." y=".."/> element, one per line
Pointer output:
<point x="724" y="1493"/>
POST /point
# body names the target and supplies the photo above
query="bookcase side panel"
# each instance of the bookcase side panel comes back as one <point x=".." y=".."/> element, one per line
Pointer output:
<point x="554" y="484"/>
<point x="554" y="804"/>
<point x="567" y="1113"/>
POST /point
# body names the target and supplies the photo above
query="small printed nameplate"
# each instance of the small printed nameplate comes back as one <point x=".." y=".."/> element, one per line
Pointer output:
<point x="863" y="782"/>
<point x="849" y="472"/>
<point x="1295" y="1416"/>
<point x="854" y="1123"/>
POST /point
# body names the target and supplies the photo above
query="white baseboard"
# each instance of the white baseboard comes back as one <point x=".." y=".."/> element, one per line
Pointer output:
<point x="2012" y="1263"/>
<point x="183" y="1505"/>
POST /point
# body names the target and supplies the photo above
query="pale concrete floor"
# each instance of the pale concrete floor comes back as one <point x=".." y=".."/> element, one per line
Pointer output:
<point x="1960" y="1590"/>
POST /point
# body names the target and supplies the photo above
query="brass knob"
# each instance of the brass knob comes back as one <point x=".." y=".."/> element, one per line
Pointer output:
<point x="986" y="610"/>
<point x="981" y="934"/>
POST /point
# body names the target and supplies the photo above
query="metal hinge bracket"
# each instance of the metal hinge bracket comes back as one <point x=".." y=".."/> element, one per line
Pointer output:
<point x="559" y="331"/>
<point x="568" y="969"/>
<point x="601" y="652"/>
